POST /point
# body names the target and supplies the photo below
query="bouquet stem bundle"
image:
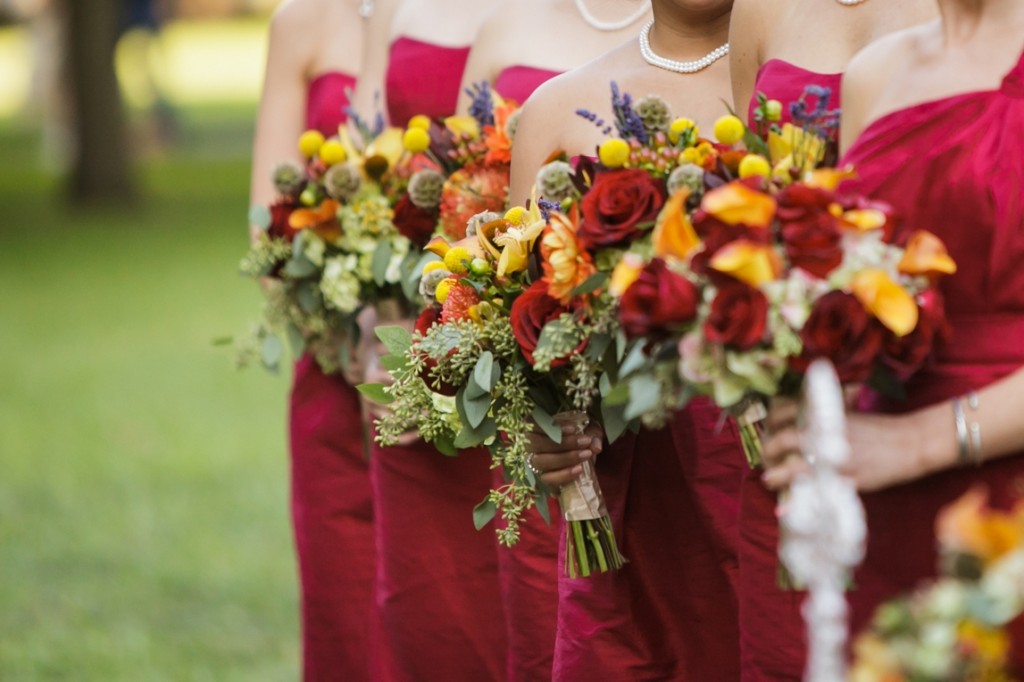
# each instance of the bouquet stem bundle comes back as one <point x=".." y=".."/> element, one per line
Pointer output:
<point x="750" y="419"/>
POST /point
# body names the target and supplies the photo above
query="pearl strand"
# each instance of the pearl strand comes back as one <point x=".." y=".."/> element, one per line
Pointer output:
<point x="611" y="25"/>
<point x="672" y="65"/>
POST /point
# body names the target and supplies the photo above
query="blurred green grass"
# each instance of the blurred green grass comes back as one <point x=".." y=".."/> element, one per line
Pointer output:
<point x="143" y="481"/>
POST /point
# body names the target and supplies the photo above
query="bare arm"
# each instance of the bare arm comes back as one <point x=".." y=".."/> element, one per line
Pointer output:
<point x="282" y="104"/>
<point x="746" y="26"/>
<point x="484" y="61"/>
<point x="536" y="138"/>
<point x="370" y="97"/>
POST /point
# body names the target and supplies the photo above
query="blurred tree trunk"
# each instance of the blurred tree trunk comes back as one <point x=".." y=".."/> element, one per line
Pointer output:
<point x="101" y="166"/>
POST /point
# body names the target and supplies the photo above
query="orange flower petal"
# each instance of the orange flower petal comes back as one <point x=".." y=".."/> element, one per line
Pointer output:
<point x="865" y="220"/>
<point x="674" y="234"/>
<point x="735" y="204"/>
<point x="970" y="526"/>
<point x="438" y="246"/>
<point x="926" y="255"/>
<point x="748" y="262"/>
<point x="886" y="300"/>
<point x="624" y="274"/>
<point x="829" y="178"/>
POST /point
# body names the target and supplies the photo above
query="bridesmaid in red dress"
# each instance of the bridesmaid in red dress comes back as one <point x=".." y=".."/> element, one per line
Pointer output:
<point x="314" y="56"/>
<point x="672" y="494"/>
<point x="769" y="55"/>
<point x="940" y="139"/>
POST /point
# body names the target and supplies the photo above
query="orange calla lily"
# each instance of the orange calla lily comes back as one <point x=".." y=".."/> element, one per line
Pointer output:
<point x="625" y="273"/>
<point x="748" y="262"/>
<point x="829" y="178"/>
<point x="886" y="300"/>
<point x="323" y="219"/>
<point x="926" y="255"/>
<point x="736" y="203"/>
<point x="863" y="219"/>
<point x="969" y="526"/>
<point x="438" y="246"/>
<point x="566" y="264"/>
<point x="674" y="235"/>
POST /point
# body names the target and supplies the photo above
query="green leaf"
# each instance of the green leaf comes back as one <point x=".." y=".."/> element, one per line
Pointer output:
<point x="223" y="341"/>
<point x="617" y="394"/>
<point x="476" y="409"/>
<point x="259" y="215"/>
<point x="396" y="339"/>
<point x="271" y="351"/>
<point x="644" y="395"/>
<point x="393" y="363"/>
<point x="413" y="265"/>
<point x="598" y="345"/>
<point x="446" y="446"/>
<point x="483" y="513"/>
<point x="543" y="507"/>
<point x="486" y="373"/>
<point x="376" y="392"/>
<point x="475" y="391"/>
<point x="299" y="267"/>
<point x="613" y="418"/>
<point x="634" y="360"/>
<point x="296" y="340"/>
<point x="381" y="261"/>
<point x="308" y="296"/>
<point x="547" y="423"/>
<point x="469" y="437"/>
<point x="591" y="284"/>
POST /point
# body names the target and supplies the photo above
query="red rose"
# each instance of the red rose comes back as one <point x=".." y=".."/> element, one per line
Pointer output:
<point x="738" y="317"/>
<point x="414" y="223"/>
<point x="279" y="228"/>
<point x="810" y="233"/>
<point x="427" y="319"/>
<point x="620" y="205"/>
<point x="530" y="312"/>
<point x="841" y="330"/>
<point x="715" y="234"/>
<point x="659" y="302"/>
<point x="904" y="356"/>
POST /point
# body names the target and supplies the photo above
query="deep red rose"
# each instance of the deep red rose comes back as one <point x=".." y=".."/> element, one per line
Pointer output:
<point x="620" y="205"/>
<point x="658" y="303"/>
<point x="841" y="330"/>
<point x="427" y="319"/>
<point x="279" y="228"/>
<point x="430" y="316"/>
<point x="530" y="312"/>
<point x="738" y="317"/>
<point x="414" y="223"/>
<point x="810" y="233"/>
<point x="715" y="234"/>
<point x="904" y="356"/>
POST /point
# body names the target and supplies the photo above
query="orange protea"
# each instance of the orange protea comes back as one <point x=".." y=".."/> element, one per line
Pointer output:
<point x="323" y="220"/>
<point x="566" y="264"/>
<point x="461" y="297"/>
<point x="499" y="144"/>
<point x="970" y="526"/>
<point x="926" y="255"/>
<point x="469" y="191"/>
<point x="673" y="233"/>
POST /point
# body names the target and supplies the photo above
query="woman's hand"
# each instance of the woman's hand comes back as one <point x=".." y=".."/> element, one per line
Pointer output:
<point x="562" y="463"/>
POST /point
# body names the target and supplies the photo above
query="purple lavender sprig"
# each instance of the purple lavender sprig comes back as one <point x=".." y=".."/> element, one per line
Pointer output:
<point x="548" y="207"/>
<point x="818" y="119"/>
<point x="367" y="130"/>
<point x="482" y="106"/>
<point x="627" y="121"/>
<point x="596" y="120"/>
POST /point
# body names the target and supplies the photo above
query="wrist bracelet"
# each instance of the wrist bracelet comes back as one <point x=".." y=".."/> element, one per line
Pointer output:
<point x="975" y="430"/>
<point x="963" y="448"/>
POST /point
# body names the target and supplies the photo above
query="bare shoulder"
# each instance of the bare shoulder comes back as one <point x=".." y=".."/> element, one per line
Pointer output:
<point x="873" y="65"/>
<point x="294" y="17"/>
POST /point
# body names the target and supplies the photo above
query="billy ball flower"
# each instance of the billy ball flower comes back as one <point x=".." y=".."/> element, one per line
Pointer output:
<point x="613" y="153"/>
<point x="288" y="178"/>
<point x="332" y="152"/>
<point x="419" y="121"/>
<point x="729" y="129"/>
<point x="755" y="165"/>
<point x="682" y="129"/>
<point x="416" y="140"/>
<point x="310" y="143"/>
<point x="342" y="181"/>
<point x="554" y="181"/>
<point x="688" y="176"/>
<point x="654" y="113"/>
<point x="425" y="188"/>
<point x="457" y="260"/>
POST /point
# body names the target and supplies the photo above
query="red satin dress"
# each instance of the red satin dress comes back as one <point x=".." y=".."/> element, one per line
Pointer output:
<point x="955" y="167"/>
<point x="438" y="599"/>
<point x="518" y="82"/>
<point x="772" y="631"/>
<point x="332" y="512"/>
<point x="670" y="613"/>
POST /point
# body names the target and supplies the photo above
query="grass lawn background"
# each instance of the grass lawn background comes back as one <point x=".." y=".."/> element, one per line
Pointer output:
<point x="143" y="481"/>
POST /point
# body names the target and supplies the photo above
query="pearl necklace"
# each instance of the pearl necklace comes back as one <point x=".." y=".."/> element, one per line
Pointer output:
<point x="366" y="8"/>
<point x="672" y="65"/>
<point x="849" y="3"/>
<point x="611" y="25"/>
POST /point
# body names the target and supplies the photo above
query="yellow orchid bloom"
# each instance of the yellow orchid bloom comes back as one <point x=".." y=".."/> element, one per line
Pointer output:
<point x="463" y="125"/>
<point x="886" y="300"/>
<point x="383" y="153"/>
<point x="794" y="147"/>
<point x="926" y="255"/>
<point x="735" y="204"/>
<point x="747" y="261"/>
<point x="674" y="235"/>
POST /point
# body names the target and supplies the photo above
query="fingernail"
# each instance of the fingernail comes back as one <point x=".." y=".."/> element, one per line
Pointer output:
<point x="576" y="470"/>
<point x="568" y="429"/>
<point x="586" y="454"/>
<point x="583" y="441"/>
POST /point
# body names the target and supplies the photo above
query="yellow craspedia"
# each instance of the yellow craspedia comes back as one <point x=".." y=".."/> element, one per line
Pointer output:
<point x="416" y="140"/>
<point x="729" y="129"/>
<point x="433" y="265"/>
<point x="310" y="143"/>
<point x="457" y="260"/>
<point x="332" y="152"/>
<point x="444" y="287"/>
<point x="419" y="121"/>
<point x="614" y="153"/>
<point x="680" y="126"/>
<point x="755" y="164"/>
<point x="516" y="215"/>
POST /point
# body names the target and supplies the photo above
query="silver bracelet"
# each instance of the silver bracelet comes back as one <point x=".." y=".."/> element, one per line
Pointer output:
<point x="963" y="447"/>
<point x="975" y="429"/>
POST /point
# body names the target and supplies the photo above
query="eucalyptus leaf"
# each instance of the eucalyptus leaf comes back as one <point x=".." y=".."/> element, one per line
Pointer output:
<point x="396" y="339"/>
<point x="543" y="507"/>
<point x="617" y="394"/>
<point x="476" y="409"/>
<point x="299" y="267"/>
<point x="484" y="373"/>
<point x="475" y="391"/>
<point x="393" y="363"/>
<point x="597" y="345"/>
<point x="381" y="261"/>
<point x="644" y="396"/>
<point x="271" y="351"/>
<point x="547" y="423"/>
<point x="613" y="418"/>
<point x="375" y="392"/>
<point x="472" y="437"/>
<point x="307" y="294"/>
<point x="296" y="340"/>
<point x="484" y="513"/>
<point x="259" y="215"/>
<point x="590" y="284"/>
<point x="633" y="361"/>
<point x="446" y="446"/>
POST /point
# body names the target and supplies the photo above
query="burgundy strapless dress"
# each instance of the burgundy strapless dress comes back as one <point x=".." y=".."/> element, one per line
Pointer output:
<point x="423" y="78"/>
<point x="955" y="167"/>
<point x="438" y="598"/>
<point x="670" y="613"/>
<point x="772" y="633"/>
<point x="332" y="513"/>
<point x="518" y="82"/>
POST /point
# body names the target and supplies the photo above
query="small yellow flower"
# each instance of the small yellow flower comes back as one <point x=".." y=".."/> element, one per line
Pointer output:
<point x="332" y="152"/>
<point x="465" y="126"/>
<point x="433" y="265"/>
<point x="416" y="140"/>
<point x="886" y="300"/>
<point x="420" y="122"/>
<point x="755" y="165"/>
<point x="680" y="126"/>
<point x="310" y="143"/>
<point x="444" y="287"/>
<point x="614" y="152"/>
<point x="698" y="155"/>
<point x="729" y="129"/>
<point x="773" y="110"/>
<point x="457" y="260"/>
<point x="516" y="215"/>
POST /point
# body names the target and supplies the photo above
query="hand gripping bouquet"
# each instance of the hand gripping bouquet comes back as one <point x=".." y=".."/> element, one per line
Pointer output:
<point x="952" y="628"/>
<point x="329" y="245"/>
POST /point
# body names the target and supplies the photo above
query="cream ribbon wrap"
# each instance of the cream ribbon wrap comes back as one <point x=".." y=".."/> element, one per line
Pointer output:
<point x="580" y="500"/>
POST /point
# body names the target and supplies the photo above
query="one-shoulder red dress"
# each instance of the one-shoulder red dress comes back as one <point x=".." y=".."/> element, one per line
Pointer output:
<point x="332" y="513"/>
<point x="438" y="600"/>
<point x="955" y="167"/>
<point x="772" y="631"/>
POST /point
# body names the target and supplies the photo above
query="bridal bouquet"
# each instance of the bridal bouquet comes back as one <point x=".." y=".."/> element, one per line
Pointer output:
<point x="760" y="281"/>
<point x="329" y="245"/>
<point x="952" y="629"/>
